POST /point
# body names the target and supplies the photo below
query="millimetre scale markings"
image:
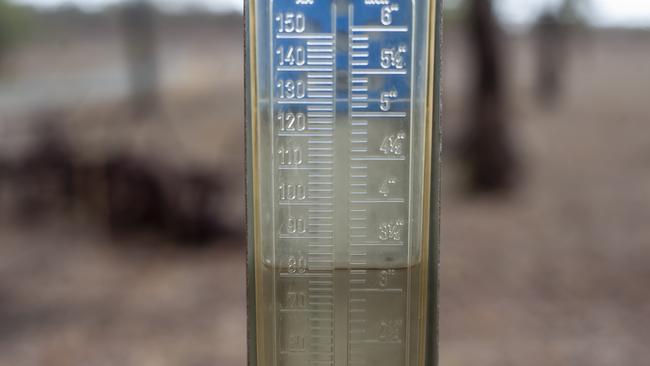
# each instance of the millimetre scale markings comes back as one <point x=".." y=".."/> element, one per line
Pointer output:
<point x="305" y="101"/>
<point x="320" y="88"/>
<point x="320" y="254"/>
<point x="313" y="36"/>
<point x="304" y="69"/>
<point x="320" y="43"/>
<point x="318" y="50"/>
<point x="318" y="56"/>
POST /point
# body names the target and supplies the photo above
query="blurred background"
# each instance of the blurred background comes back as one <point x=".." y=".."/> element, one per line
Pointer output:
<point x="122" y="183"/>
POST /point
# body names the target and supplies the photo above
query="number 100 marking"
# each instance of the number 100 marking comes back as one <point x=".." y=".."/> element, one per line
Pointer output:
<point x="292" y="192"/>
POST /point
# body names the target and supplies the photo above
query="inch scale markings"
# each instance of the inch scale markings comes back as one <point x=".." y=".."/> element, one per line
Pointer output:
<point x="374" y="329"/>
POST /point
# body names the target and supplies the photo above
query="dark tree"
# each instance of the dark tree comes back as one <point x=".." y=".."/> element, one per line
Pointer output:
<point x="488" y="151"/>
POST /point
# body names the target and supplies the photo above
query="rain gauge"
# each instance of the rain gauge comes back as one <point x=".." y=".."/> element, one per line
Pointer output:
<point x="343" y="180"/>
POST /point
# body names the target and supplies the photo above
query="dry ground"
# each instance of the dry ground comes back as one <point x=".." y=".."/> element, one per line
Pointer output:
<point x="555" y="274"/>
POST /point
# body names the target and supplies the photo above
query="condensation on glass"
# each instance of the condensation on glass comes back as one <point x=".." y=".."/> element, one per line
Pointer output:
<point x="342" y="176"/>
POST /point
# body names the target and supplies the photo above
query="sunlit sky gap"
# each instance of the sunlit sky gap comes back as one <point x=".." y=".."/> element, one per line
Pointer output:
<point x="627" y="13"/>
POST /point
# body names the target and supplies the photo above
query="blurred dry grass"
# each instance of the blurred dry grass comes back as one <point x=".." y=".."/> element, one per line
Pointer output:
<point x="71" y="296"/>
<point x="555" y="274"/>
<point x="71" y="293"/>
<point x="551" y="275"/>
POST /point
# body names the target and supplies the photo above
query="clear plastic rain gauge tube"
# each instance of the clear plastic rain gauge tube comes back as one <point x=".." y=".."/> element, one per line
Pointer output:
<point x="343" y="148"/>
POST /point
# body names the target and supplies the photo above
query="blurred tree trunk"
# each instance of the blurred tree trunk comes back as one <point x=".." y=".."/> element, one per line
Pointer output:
<point x="138" y="23"/>
<point x="13" y="25"/>
<point x="488" y="151"/>
<point x="574" y="12"/>
<point x="551" y="38"/>
<point x="553" y="32"/>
